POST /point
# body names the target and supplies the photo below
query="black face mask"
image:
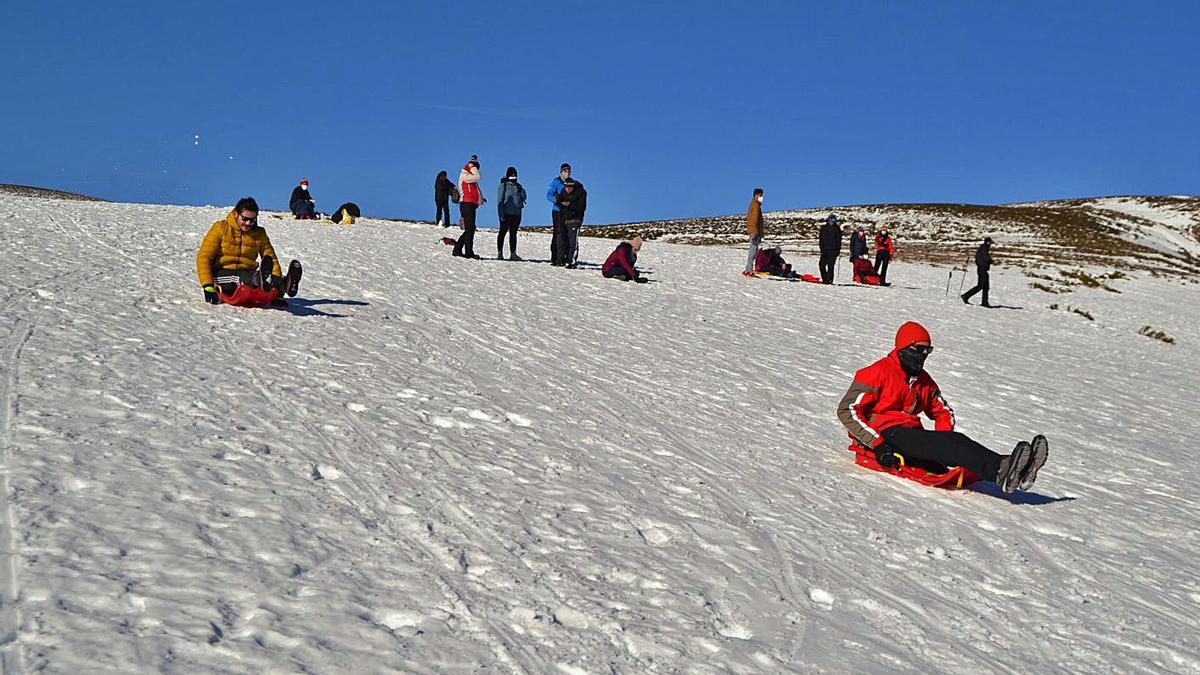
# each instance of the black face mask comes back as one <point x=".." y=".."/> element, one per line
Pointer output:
<point x="912" y="359"/>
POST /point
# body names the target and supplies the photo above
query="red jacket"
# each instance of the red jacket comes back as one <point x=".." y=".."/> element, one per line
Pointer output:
<point x="623" y="257"/>
<point x="468" y="184"/>
<point x="883" y="396"/>
<point x="889" y="245"/>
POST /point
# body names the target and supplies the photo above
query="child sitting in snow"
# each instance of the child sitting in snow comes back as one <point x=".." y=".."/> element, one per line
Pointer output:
<point x="770" y="261"/>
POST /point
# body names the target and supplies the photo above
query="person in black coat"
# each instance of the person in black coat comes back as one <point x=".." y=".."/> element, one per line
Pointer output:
<point x="983" y="263"/>
<point x="301" y="203"/>
<point x="442" y="185"/>
<point x="858" y="244"/>
<point x="572" y="203"/>
<point x="348" y="209"/>
<point x="830" y="240"/>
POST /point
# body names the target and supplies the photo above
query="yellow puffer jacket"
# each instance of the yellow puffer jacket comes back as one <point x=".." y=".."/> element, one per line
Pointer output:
<point x="225" y="247"/>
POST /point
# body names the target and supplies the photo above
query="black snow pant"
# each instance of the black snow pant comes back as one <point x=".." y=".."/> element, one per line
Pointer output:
<point x="228" y="280"/>
<point x="568" y="242"/>
<point x="939" y="449"/>
<point x="983" y="284"/>
<point x="881" y="264"/>
<point x="826" y="265"/>
<point x="555" y="237"/>
<point x="465" y="246"/>
<point x="508" y="225"/>
<point x="443" y="212"/>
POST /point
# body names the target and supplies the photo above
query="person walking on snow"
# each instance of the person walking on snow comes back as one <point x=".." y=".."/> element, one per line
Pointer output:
<point x="552" y="192"/>
<point x="983" y="263"/>
<point x="620" y="263"/>
<point x="884" y="250"/>
<point x="301" y="203"/>
<point x="510" y="201"/>
<point x="229" y="256"/>
<point x="472" y="199"/>
<point x="754" y="228"/>
<point x="442" y="187"/>
<point x="572" y="203"/>
<point x="880" y="411"/>
<point x="830" y="241"/>
<point x="858" y="244"/>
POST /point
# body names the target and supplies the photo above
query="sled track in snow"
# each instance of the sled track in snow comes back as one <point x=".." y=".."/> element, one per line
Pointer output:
<point x="10" y="614"/>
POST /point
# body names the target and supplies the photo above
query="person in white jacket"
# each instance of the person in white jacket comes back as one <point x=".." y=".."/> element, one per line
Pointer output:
<point x="472" y="198"/>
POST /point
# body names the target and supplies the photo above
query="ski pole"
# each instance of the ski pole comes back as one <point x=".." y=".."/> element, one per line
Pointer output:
<point x="949" y="275"/>
<point x="964" y="276"/>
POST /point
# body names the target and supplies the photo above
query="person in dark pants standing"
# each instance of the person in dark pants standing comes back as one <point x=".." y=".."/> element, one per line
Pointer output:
<point x="830" y="240"/>
<point x="881" y="413"/>
<point x="572" y="202"/>
<point x="885" y="248"/>
<point x="556" y="188"/>
<point x="858" y="244"/>
<point x="983" y="263"/>
<point x="472" y="199"/>
<point x="510" y="203"/>
<point x="442" y="186"/>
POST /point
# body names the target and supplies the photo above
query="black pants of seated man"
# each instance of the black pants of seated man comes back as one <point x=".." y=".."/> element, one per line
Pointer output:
<point x="936" y="450"/>
<point x="229" y="280"/>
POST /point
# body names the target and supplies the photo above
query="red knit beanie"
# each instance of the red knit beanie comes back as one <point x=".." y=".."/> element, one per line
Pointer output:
<point x="911" y="332"/>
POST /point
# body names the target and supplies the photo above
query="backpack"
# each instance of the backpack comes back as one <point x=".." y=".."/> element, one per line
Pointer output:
<point x="512" y="199"/>
<point x="454" y="194"/>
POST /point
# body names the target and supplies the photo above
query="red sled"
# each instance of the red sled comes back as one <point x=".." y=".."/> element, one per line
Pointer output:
<point x="954" y="479"/>
<point x="810" y="279"/>
<point x="248" y="296"/>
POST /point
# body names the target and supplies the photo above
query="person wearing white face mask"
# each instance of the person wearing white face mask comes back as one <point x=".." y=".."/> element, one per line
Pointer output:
<point x="301" y="203"/>
<point x="557" y="186"/>
<point x="754" y="228"/>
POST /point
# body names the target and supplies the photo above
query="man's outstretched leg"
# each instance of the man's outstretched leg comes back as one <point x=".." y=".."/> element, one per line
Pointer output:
<point x="951" y="448"/>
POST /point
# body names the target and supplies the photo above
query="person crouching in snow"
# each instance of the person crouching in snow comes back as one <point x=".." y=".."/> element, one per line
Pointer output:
<point x="620" y="263"/>
<point x="770" y="260"/>
<point x="229" y="256"/>
<point x="865" y="274"/>
<point x="880" y="411"/>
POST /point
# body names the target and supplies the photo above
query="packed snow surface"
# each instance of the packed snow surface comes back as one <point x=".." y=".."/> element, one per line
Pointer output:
<point x="429" y="464"/>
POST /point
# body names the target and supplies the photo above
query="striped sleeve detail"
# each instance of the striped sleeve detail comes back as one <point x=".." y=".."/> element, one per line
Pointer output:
<point x="851" y="416"/>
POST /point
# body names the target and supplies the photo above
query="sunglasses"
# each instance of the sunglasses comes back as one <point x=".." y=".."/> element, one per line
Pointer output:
<point x="922" y="349"/>
<point x="244" y="219"/>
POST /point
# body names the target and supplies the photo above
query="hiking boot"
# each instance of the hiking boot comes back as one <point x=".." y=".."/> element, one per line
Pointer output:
<point x="1008" y="477"/>
<point x="1039" y="451"/>
<point x="291" y="281"/>
<point x="965" y="300"/>
<point x="514" y="256"/>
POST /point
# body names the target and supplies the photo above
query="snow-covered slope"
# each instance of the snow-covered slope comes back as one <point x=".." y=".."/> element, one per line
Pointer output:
<point x="437" y="465"/>
<point x="1156" y="234"/>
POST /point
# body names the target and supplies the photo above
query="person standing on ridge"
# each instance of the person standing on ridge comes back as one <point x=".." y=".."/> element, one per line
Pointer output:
<point x="755" y="228"/>
<point x="552" y="192"/>
<point x="884" y="250"/>
<point x="858" y="244"/>
<point x="472" y="199"/>
<point x="572" y="202"/>
<point x="442" y="187"/>
<point x="301" y="203"/>
<point x="510" y="201"/>
<point x="880" y="412"/>
<point x="983" y="263"/>
<point x="830" y="242"/>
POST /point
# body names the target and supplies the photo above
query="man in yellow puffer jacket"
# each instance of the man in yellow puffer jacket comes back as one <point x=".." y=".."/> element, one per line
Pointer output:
<point x="231" y="250"/>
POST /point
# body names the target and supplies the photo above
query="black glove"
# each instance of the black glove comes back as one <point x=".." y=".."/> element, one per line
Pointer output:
<point x="641" y="280"/>
<point x="210" y="296"/>
<point x="887" y="455"/>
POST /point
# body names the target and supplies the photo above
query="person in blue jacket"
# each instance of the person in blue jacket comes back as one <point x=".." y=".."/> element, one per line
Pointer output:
<point x="556" y="186"/>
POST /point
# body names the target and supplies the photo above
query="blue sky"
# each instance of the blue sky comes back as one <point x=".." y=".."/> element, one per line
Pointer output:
<point x="664" y="109"/>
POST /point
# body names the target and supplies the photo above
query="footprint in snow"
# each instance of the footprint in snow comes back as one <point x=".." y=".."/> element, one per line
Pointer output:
<point x="518" y="420"/>
<point x="356" y="407"/>
<point x="325" y="472"/>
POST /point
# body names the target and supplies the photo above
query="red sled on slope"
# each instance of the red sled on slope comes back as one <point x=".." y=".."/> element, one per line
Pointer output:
<point x="246" y="295"/>
<point x="952" y="479"/>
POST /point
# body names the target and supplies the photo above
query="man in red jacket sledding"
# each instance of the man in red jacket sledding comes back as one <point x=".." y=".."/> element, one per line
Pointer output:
<point x="881" y="408"/>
